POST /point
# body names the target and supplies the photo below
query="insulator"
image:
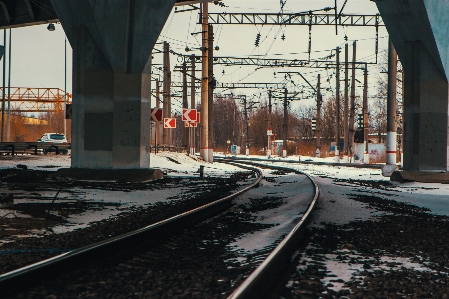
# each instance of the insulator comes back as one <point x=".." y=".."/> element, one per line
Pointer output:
<point x="257" y="40"/>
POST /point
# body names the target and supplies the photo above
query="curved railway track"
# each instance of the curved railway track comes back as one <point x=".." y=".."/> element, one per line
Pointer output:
<point x="162" y="261"/>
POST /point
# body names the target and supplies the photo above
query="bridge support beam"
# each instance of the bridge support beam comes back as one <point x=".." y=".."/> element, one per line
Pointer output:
<point x="418" y="31"/>
<point x="112" y="42"/>
<point x="425" y="112"/>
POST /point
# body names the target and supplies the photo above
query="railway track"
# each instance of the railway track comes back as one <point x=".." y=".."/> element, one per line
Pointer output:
<point x="203" y="259"/>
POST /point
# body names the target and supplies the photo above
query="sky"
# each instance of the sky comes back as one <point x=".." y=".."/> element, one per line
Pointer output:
<point x="37" y="58"/>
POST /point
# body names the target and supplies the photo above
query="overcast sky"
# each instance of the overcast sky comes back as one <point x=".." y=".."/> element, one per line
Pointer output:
<point x="38" y="55"/>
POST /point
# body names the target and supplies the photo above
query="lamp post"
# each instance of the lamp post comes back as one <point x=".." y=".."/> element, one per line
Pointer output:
<point x="51" y="27"/>
<point x="229" y="145"/>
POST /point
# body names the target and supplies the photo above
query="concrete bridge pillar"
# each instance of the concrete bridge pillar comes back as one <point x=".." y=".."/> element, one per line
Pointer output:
<point x="418" y="29"/>
<point x="112" y="42"/>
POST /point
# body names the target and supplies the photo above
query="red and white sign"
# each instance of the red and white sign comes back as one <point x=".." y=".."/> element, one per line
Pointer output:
<point x="156" y="114"/>
<point x="169" y="123"/>
<point x="189" y="114"/>
<point x="190" y="124"/>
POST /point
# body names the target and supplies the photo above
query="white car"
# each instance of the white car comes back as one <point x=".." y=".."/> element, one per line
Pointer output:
<point x="54" y="138"/>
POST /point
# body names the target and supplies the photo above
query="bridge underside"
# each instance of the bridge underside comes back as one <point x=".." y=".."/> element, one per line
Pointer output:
<point x="418" y="29"/>
<point x="112" y="42"/>
<point x="20" y="13"/>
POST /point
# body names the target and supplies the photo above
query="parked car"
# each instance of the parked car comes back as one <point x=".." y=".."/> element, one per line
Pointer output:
<point x="54" y="138"/>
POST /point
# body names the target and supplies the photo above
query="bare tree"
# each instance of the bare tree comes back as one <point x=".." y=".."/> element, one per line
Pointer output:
<point x="304" y="122"/>
<point x="228" y="122"/>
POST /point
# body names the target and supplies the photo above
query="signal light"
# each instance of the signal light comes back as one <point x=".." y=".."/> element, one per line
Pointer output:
<point x="313" y="124"/>
<point x="360" y="120"/>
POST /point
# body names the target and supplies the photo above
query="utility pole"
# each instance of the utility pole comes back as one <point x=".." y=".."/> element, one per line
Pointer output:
<point x="319" y="98"/>
<point x="3" y="90"/>
<point x="185" y="105"/>
<point x="65" y="85"/>
<point x="337" y="106"/>
<point x="166" y="94"/>
<point x="285" y="126"/>
<point x="365" y="116"/>
<point x="211" y="91"/>
<point x="391" y="105"/>
<point x="345" y="111"/>
<point x="206" y="151"/>
<point x="8" y="124"/>
<point x="158" y="133"/>
<point x="352" y="110"/>
<point x="269" y="124"/>
<point x="192" y="105"/>
<point x="245" y="111"/>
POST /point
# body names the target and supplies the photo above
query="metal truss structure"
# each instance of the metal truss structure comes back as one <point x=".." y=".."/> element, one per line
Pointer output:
<point x="25" y="99"/>
<point x="309" y="19"/>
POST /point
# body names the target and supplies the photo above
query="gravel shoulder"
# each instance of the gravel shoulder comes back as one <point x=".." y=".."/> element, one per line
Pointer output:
<point x="364" y="243"/>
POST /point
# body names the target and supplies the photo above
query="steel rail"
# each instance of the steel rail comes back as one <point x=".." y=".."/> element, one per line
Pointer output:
<point x="272" y="160"/>
<point x="16" y="280"/>
<point x="260" y="281"/>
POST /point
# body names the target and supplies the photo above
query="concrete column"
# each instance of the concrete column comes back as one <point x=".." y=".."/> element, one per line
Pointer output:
<point x="426" y="125"/>
<point x="192" y="105"/>
<point x="391" y="105"/>
<point x="365" y="116"/>
<point x="158" y="123"/>
<point x="205" y="147"/>
<point x="210" y="95"/>
<point x="346" y="111"/>
<point x="185" y="104"/>
<point x="112" y="43"/>
<point x="269" y="124"/>
<point x="285" y="126"/>
<point x="319" y="99"/>
<point x="166" y="94"/>
<point x="418" y="30"/>
<point x="337" y="107"/>
<point x="351" y="130"/>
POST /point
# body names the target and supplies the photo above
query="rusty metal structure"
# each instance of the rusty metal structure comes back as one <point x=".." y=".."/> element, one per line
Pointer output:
<point x="26" y="99"/>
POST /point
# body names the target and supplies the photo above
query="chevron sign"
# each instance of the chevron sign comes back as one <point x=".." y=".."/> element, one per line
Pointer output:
<point x="189" y="114"/>
<point x="169" y="123"/>
<point x="156" y="114"/>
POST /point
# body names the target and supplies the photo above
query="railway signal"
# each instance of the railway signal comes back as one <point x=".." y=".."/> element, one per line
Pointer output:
<point x="313" y="124"/>
<point x="360" y="121"/>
